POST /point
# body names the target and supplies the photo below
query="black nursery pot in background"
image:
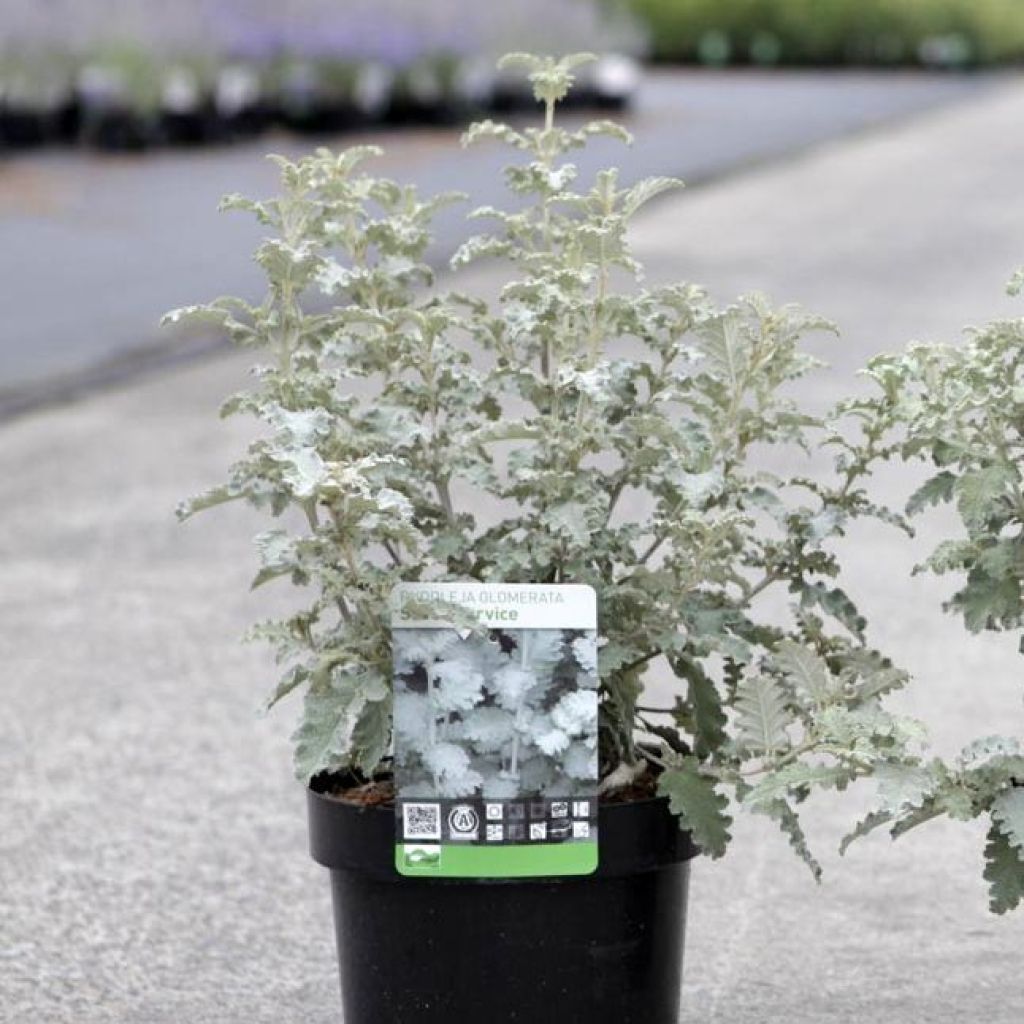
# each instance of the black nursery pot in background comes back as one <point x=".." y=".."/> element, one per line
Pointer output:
<point x="605" y="948"/>
<point x="23" y="125"/>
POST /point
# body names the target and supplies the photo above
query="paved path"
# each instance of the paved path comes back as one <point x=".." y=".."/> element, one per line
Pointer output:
<point x="93" y="249"/>
<point x="152" y="845"/>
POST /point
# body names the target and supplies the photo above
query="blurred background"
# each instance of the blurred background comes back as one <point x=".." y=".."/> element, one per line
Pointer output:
<point x="130" y="74"/>
<point x="123" y="121"/>
<point x="124" y="74"/>
<point x="860" y="156"/>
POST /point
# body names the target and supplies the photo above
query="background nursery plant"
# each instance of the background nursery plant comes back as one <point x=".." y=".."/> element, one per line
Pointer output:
<point x="581" y="428"/>
<point x="962" y="411"/>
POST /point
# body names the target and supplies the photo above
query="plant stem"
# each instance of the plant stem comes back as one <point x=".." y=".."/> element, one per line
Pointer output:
<point x="770" y="577"/>
<point x="643" y="660"/>
<point x="390" y="549"/>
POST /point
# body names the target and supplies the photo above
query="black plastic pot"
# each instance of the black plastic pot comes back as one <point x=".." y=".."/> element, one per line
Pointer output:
<point x="241" y="109"/>
<point x="119" y="129"/>
<point x="605" y="948"/>
<point x="22" y="127"/>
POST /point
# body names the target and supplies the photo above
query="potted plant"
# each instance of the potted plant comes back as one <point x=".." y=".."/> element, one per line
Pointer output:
<point x="427" y="90"/>
<point x="239" y="102"/>
<point x="960" y="410"/>
<point x="188" y="114"/>
<point x="119" y="93"/>
<point x="577" y="429"/>
<point x="36" y="105"/>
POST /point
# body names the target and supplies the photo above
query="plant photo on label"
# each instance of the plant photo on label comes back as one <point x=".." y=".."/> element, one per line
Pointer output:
<point x="504" y="714"/>
<point x="614" y="433"/>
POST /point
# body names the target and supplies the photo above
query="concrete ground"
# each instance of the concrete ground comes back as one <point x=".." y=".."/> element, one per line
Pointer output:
<point x="153" y="862"/>
<point x="125" y="238"/>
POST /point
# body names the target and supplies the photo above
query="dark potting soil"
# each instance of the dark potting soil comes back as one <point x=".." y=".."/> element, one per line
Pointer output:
<point x="381" y="792"/>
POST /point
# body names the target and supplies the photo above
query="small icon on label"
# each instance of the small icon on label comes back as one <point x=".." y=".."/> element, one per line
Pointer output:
<point x="495" y="812"/>
<point x="560" y="829"/>
<point x="581" y="809"/>
<point x="495" y="833"/>
<point x="423" y="858"/>
<point x="538" y="810"/>
<point x="516" y="833"/>
<point x="581" y="830"/>
<point x="539" y="830"/>
<point x="516" y="812"/>
<point x="463" y="822"/>
<point x="421" y="821"/>
<point x="560" y="809"/>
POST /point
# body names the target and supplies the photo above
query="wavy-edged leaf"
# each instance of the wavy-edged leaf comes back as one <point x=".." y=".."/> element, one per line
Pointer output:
<point x="914" y="818"/>
<point x="981" y="494"/>
<point x="277" y="553"/>
<point x="988" y="603"/>
<point x="1004" y="872"/>
<point x="605" y="127"/>
<point x="289" y="682"/>
<point x="880" y="682"/>
<point x="323" y="740"/>
<point x="709" y="720"/>
<point x="762" y="715"/>
<point x="722" y="342"/>
<point x="571" y="61"/>
<point x="789" y="822"/>
<point x="806" y="671"/>
<point x="193" y="315"/>
<point x="551" y="79"/>
<point x="990" y="750"/>
<point x="867" y="728"/>
<point x="867" y="825"/>
<point x="936" y="491"/>
<point x="646" y="190"/>
<point x="903" y="787"/>
<point x="520" y="61"/>
<point x="796" y="779"/>
<point x="208" y="499"/>
<point x="699" y="806"/>
<point x="372" y="735"/>
<point x="949" y="556"/>
<point x="836" y="602"/>
<point x="957" y="801"/>
<point x="1008" y="812"/>
<point x="569" y="520"/>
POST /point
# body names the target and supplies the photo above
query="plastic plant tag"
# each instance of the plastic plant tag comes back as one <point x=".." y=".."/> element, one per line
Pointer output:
<point x="495" y="729"/>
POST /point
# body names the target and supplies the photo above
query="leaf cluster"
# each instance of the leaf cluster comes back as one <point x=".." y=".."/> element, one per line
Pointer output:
<point x="581" y="428"/>
<point x="960" y="410"/>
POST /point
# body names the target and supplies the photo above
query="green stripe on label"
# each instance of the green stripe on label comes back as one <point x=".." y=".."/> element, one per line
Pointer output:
<point x="452" y="861"/>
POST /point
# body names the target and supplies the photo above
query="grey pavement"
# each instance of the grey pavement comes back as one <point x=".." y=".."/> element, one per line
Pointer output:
<point x="153" y="863"/>
<point x="94" y="248"/>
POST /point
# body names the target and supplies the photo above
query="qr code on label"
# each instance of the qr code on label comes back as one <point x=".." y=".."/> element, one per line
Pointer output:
<point x="421" y="821"/>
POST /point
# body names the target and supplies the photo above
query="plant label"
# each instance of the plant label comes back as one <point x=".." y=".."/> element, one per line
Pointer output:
<point x="496" y="703"/>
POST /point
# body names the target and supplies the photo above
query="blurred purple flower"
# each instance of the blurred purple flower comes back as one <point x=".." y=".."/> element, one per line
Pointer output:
<point x="395" y="33"/>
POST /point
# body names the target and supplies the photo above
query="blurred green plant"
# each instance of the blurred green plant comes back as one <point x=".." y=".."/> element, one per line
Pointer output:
<point x="950" y="33"/>
<point x="31" y="80"/>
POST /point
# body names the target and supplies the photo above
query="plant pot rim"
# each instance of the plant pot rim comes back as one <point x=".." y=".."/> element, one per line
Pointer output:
<point x="634" y="836"/>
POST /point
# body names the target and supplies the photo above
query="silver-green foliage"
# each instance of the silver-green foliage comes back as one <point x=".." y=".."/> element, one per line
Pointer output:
<point x="961" y="410"/>
<point x="415" y="434"/>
